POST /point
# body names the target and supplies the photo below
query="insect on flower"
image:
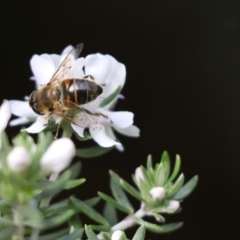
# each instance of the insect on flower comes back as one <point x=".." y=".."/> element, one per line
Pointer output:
<point x="62" y="93"/>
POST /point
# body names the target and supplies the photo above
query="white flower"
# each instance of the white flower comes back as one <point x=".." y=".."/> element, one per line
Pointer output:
<point x="107" y="72"/>
<point x="18" y="159"/>
<point x="5" y="114"/>
<point x="58" y="156"/>
<point x="117" y="235"/>
<point x="158" y="193"/>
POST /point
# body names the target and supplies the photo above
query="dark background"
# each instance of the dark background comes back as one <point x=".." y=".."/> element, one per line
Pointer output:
<point x="183" y="79"/>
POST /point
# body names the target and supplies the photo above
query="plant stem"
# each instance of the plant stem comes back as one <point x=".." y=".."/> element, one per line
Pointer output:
<point x="45" y="202"/>
<point x="67" y="132"/>
<point x="127" y="222"/>
<point x="18" y="217"/>
<point x="35" y="234"/>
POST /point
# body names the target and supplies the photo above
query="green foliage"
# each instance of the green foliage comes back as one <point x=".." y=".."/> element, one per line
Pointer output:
<point x="111" y="97"/>
<point x="91" y="152"/>
<point x="30" y="196"/>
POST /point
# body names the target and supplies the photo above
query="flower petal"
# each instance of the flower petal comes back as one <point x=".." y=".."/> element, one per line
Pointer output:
<point x="115" y="78"/>
<point x="110" y="133"/>
<point x="43" y="68"/>
<point x="18" y="121"/>
<point x="22" y="109"/>
<point x="40" y="124"/>
<point x="131" y="131"/>
<point x="77" y="69"/>
<point x="121" y="119"/>
<point x="67" y="49"/>
<point x="56" y="60"/>
<point x="97" y="132"/>
<point x="99" y="66"/>
<point x="5" y="114"/>
<point x="79" y="130"/>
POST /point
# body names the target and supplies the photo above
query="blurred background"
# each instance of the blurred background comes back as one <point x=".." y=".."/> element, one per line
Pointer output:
<point x="183" y="80"/>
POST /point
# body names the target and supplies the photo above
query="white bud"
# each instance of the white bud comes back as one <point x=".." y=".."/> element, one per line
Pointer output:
<point x="139" y="174"/>
<point x="58" y="156"/>
<point x="18" y="159"/>
<point x="158" y="193"/>
<point x="173" y="205"/>
<point x="116" y="235"/>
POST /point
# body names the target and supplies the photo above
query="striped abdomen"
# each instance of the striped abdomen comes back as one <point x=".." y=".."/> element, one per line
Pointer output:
<point x="79" y="91"/>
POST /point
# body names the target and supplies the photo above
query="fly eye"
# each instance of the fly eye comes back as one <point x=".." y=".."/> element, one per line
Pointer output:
<point x="32" y="98"/>
<point x="35" y="109"/>
<point x="33" y="103"/>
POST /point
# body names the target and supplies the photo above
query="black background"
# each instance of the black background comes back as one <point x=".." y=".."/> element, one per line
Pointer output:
<point x="183" y="79"/>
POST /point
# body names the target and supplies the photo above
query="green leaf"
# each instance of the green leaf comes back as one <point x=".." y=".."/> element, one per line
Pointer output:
<point x="5" y="143"/>
<point x="106" y="236"/>
<point x="175" y="187"/>
<point x="51" y="222"/>
<point x="24" y="140"/>
<point x="140" y="233"/>
<point x="120" y="195"/>
<point x="111" y="97"/>
<point x="115" y="176"/>
<point x="131" y="190"/>
<point x="92" y="201"/>
<point x="176" y="169"/>
<point x="145" y="189"/>
<point x="91" y="152"/>
<point x="76" y="234"/>
<point x="75" y="170"/>
<point x="74" y="183"/>
<point x="54" y="235"/>
<point x="149" y="163"/>
<point x="148" y="176"/>
<point x="56" y="207"/>
<point x="110" y="213"/>
<point x="44" y="141"/>
<point x="99" y="228"/>
<point x="5" y="221"/>
<point x="7" y="232"/>
<point x="171" y="227"/>
<point x="49" y="189"/>
<point x="113" y="202"/>
<point x="88" y="211"/>
<point x="123" y="236"/>
<point x="87" y="136"/>
<point x="160" y="175"/>
<point x="187" y="188"/>
<point x="5" y="207"/>
<point x="75" y="222"/>
<point x="150" y="226"/>
<point x="165" y="160"/>
<point x="90" y="234"/>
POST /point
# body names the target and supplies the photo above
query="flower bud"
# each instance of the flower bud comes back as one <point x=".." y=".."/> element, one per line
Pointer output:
<point x="158" y="193"/>
<point x="58" y="156"/>
<point x="117" y="235"/>
<point x="173" y="205"/>
<point x="139" y="174"/>
<point x="18" y="159"/>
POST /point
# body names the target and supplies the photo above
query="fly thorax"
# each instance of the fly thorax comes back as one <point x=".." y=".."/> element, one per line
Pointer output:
<point x="47" y="99"/>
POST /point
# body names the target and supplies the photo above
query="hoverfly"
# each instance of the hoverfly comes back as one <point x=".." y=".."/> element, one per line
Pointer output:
<point x="61" y="94"/>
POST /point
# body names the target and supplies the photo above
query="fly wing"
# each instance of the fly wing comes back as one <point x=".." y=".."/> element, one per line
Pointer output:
<point x="66" y="64"/>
